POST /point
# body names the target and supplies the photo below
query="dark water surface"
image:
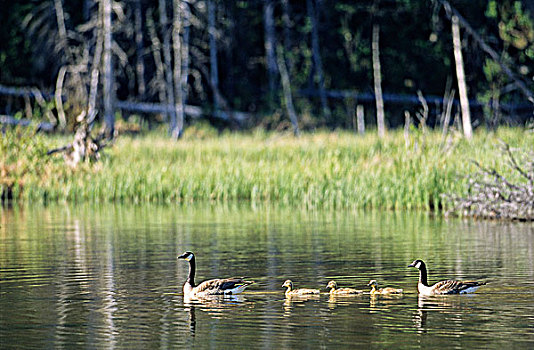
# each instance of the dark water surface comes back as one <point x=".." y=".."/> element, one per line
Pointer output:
<point x="107" y="277"/>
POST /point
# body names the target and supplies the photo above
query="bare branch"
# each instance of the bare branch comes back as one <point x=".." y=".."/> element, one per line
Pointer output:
<point x="492" y="195"/>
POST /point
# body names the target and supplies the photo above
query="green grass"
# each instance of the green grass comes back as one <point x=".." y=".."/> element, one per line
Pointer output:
<point x="320" y="170"/>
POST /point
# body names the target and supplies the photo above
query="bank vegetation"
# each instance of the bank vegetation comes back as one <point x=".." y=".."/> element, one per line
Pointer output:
<point x="316" y="170"/>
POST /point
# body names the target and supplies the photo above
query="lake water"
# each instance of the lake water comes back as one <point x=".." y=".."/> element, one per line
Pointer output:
<point x="107" y="277"/>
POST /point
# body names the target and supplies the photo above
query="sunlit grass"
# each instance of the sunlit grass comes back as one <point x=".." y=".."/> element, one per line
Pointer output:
<point x="319" y="170"/>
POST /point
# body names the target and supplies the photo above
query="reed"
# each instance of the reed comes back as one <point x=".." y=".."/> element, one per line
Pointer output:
<point x="319" y="170"/>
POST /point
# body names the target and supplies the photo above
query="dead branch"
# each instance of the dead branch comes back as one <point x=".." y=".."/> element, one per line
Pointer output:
<point x="423" y="114"/>
<point x="84" y="147"/>
<point x="493" y="195"/>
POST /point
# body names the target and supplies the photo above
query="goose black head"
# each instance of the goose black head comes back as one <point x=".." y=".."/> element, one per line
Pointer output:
<point x="372" y="283"/>
<point x="187" y="256"/>
<point x="417" y="264"/>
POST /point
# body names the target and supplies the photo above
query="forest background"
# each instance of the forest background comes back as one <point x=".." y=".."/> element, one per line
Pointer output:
<point x="229" y="59"/>
<point x="426" y="71"/>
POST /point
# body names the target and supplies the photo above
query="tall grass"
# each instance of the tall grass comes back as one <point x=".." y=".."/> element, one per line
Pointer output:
<point x="320" y="170"/>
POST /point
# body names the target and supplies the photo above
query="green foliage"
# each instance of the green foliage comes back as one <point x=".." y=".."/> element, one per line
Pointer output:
<point x="22" y="160"/>
<point x="492" y="70"/>
<point x="321" y="170"/>
<point x="491" y="10"/>
<point x="515" y="25"/>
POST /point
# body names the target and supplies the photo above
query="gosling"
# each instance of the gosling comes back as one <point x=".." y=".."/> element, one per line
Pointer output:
<point x="382" y="291"/>
<point x="334" y="290"/>
<point x="298" y="292"/>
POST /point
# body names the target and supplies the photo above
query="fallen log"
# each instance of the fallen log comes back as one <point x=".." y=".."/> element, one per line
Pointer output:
<point x="133" y="106"/>
<point x="23" y="91"/>
<point x="9" y="120"/>
<point x="192" y="111"/>
<point x="401" y="98"/>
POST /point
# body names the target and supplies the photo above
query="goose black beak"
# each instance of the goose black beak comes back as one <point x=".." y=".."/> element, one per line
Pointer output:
<point x="411" y="265"/>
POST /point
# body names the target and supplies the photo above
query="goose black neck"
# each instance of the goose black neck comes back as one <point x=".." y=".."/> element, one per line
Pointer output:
<point x="192" y="267"/>
<point x="423" y="275"/>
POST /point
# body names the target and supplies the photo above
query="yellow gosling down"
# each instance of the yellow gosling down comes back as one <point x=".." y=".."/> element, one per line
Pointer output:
<point x="334" y="290"/>
<point x="442" y="287"/>
<point x="226" y="286"/>
<point x="298" y="292"/>
<point x="382" y="291"/>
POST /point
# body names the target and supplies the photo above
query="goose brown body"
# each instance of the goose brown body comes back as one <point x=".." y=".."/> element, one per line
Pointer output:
<point x="443" y="287"/>
<point x="218" y="286"/>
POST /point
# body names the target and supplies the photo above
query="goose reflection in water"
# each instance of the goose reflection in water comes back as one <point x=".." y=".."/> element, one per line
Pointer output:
<point x="216" y="305"/>
<point x="291" y="300"/>
<point x="441" y="304"/>
<point x="192" y="323"/>
<point x="336" y="300"/>
<point x="214" y="300"/>
<point x="378" y="302"/>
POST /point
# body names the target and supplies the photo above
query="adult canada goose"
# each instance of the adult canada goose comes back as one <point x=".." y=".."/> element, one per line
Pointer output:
<point x="334" y="290"/>
<point x="226" y="286"/>
<point x="442" y="287"/>
<point x="297" y="292"/>
<point x="388" y="290"/>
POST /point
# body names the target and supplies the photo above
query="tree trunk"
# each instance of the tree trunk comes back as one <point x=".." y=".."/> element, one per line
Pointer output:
<point x="109" y="118"/>
<point x="447" y="102"/>
<point x="286" y="19"/>
<point x="186" y="24"/>
<point x="360" y="121"/>
<point x="158" y="62"/>
<point x="214" y="70"/>
<point x="59" y="97"/>
<point x="177" y="127"/>
<point x="312" y="14"/>
<point x="95" y="71"/>
<point x="462" y="88"/>
<point x="407" y="122"/>
<point x="167" y="62"/>
<point x="231" y="30"/>
<point x="377" y="75"/>
<point x="139" y="64"/>
<point x="60" y="47"/>
<point x="286" y="85"/>
<point x="62" y="30"/>
<point x="270" y="45"/>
